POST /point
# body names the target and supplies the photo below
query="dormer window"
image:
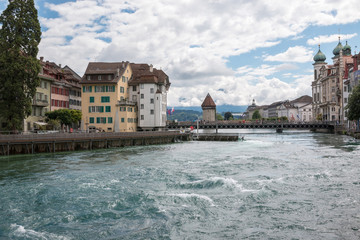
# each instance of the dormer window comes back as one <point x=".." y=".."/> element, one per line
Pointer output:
<point x="99" y="77"/>
<point x="88" y="77"/>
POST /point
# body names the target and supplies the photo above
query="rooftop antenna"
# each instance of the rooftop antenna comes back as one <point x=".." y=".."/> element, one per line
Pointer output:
<point x="355" y="50"/>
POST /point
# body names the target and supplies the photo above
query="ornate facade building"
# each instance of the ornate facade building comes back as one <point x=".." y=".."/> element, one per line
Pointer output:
<point x="328" y="84"/>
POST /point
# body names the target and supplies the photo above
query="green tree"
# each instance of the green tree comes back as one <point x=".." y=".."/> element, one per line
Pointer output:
<point x="256" y="115"/>
<point x="20" y="36"/>
<point x="353" y="106"/>
<point x="219" y="117"/>
<point x="65" y="116"/>
<point x="228" y="116"/>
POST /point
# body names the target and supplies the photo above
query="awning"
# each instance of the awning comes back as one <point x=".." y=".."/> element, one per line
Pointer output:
<point x="41" y="123"/>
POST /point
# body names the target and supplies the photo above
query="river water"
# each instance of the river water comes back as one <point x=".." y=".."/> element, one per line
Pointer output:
<point x="294" y="185"/>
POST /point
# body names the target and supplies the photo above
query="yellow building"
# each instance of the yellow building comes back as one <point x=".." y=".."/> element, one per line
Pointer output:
<point x="105" y="98"/>
<point x="40" y="104"/>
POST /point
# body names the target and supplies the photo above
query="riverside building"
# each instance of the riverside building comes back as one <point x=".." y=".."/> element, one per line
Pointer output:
<point x="123" y="97"/>
<point x="56" y="83"/>
<point x="328" y="85"/>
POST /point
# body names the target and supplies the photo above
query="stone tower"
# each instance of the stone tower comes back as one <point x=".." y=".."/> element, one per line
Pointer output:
<point x="209" y="109"/>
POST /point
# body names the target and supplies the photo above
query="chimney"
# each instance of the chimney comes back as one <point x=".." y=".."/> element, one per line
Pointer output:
<point x="151" y="68"/>
<point x="42" y="59"/>
<point x="59" y="65"/>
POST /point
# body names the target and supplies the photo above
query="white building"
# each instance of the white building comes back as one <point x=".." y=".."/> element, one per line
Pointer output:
<point x="148" y="87"/>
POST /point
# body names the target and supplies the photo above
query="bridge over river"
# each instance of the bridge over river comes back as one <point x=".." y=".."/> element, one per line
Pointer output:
<point x="279" y="126"/>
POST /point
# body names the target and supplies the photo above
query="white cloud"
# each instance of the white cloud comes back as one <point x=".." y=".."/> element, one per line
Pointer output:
<point x="297" y="54"/>
<point x="192" y="41"/>
<point x="329" y="38"/>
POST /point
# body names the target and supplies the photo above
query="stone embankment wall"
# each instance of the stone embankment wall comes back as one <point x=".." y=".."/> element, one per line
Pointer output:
<point x="47" y="143"/>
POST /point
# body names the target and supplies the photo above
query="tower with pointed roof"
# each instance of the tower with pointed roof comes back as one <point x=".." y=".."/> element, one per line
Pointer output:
<point x="209" y="109"/>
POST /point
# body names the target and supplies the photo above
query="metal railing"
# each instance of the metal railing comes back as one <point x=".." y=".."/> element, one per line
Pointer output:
<point x="80" y="136"/>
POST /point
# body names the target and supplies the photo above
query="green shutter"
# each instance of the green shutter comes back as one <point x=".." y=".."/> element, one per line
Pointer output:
<point x="102" y="108"/>
<point x="91" y="120"/>
<point x="89" y="109"/>
<point x="108" y="109"/>
<point x="90" y="89"/>
<point x="84" y="89"/>
<point x="109" y="119"/>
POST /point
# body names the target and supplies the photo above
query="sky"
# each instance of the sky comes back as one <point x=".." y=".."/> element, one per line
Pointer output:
<point x="236" y="50"/>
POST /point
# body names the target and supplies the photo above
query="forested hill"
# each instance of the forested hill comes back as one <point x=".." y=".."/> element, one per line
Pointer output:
<point x="219" y="108"/>
<point x="193" y="113"/>
<point x="184" y="115"/>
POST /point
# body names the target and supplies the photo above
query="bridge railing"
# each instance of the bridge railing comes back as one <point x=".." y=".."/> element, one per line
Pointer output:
<point x="74" y="136"/>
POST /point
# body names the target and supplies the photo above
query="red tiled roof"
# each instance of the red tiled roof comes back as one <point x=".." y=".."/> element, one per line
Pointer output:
<point x="143" y="73"/>
<point x="95" y="68"/>
<point x="208" y="102"/>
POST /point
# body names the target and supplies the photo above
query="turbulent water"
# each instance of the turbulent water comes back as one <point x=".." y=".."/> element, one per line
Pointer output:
<point x="294" y="185"/>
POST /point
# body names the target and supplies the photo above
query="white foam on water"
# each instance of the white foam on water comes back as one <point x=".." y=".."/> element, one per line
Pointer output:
<point x="20" y="231"/>
<point x="230" y="182"/>
<point x="194" y="195"/>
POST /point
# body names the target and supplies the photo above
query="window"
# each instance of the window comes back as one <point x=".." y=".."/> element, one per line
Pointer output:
<point x="152" y="111"/>
<point x="129" y="109"/>
<point x="141" y="106"/>
<point x="101" y="120"/>
<point x="122" y="89"/>
<point x="142" y="117"/>
<point x="108" y="109"/>
<point x="91" y="120"/>
<point x="105" y="99"/>
<point x="134" y="88"/>
<point x="96" y="109"/>
<point x="88" y="77"/>
<point x="109" y="77"/>
<point x="122" y="120"/>
<point x="87" y="88"/>
<point x="345" y="89"/>
<point x="92" y="99"/>
<point x="151" y="90"/>
<point x="151" y="100"/>
<point x="110" y="120"/>
<point x="111" y="88"/>
<point x="122" y="109"/>
<point x="142" y="96"/>
<point x="123" y="79"/>
<point x="345" y="100"/>
<point x="99" y="77"/>
<point x="141" y="86"/>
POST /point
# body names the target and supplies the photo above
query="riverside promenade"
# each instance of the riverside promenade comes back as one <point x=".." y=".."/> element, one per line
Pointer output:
<point x="62" y="142"/>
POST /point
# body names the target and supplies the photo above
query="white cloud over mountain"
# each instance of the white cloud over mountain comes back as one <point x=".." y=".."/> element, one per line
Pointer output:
<point x="192" y="41"/>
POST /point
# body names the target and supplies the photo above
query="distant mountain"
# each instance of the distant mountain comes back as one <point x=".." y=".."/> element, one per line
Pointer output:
<point x="219" y="108"/>
<point x="184" y="115"/>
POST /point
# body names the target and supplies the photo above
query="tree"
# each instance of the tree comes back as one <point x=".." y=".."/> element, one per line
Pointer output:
<point x="353" y="106"/>
<point x="228" y="116"/>
<point x="65" y="116"/>
<point x="256" y="115"/>
<point x="219" y="117"/>
<point x="20" y="36"/>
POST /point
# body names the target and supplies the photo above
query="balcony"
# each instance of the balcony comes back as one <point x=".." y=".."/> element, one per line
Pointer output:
<point x="125" y="102"/>
<point x="40" y="103"/>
